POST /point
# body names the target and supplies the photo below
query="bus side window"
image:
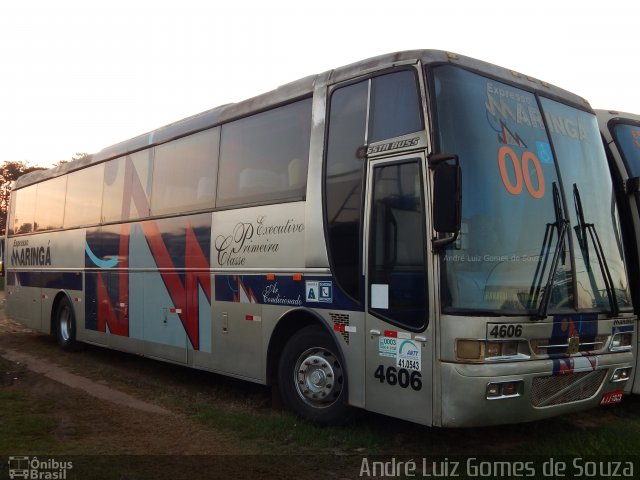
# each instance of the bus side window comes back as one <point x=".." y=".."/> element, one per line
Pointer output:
<point x="184" y="173"/>
<point x="395" y="106"/>
<point x="343" y="184"/>
<point x="23" y="211"/>
<point x="84" y="197"/>
<point x="264" y="157"/>
<point x="49" y="212"/>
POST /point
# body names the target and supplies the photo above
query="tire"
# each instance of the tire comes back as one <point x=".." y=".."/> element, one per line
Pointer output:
<point x="311" y="377"/>
<point x="66" y="326"/>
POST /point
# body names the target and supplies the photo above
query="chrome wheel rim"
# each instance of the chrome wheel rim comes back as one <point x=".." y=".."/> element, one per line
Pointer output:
<point x="64" y="322"/>
<point x="318" y="377"/>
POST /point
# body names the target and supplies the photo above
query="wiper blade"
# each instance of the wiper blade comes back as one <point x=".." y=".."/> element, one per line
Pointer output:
<point x="585" y="227"/>
<point x="546" y="293"/>
<point x="562" y="225"/>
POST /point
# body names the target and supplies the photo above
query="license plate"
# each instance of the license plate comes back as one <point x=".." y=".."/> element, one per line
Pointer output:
<point x="612" y="397"/>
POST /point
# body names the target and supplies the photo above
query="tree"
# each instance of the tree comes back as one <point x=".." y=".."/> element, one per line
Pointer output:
<point x="77" y="156"/>
<point x="10" y="171"/>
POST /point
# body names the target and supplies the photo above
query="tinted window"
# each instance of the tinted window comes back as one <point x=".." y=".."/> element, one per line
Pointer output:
<point x="184" y="173"/>
<point x="264" y="157"/>
<point x="501" y="261"/>
<point x="394" y="111"/>
<point x="50" y="204"/>
<point x="84" y="197"/>
<point x="592" y="207"/>
<point x="628" y="140"/>
<point x="113" y="192"/>
<point x="395" y="106"/>
<point x="25" y="207"/>
<point x="343" y="183"/>
<point x="397" y="249"/>
<point x="126" y="187"/>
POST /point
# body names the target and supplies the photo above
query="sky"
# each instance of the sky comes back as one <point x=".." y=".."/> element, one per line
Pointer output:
<point x="80" y="75"/>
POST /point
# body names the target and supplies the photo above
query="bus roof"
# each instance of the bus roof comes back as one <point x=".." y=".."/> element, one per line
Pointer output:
<point x="298" y="89"/>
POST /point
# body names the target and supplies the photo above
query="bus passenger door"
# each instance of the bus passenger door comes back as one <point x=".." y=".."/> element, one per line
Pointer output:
<point x="399" y="350"/>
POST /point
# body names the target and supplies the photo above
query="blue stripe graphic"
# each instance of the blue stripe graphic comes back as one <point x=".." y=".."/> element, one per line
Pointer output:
<point x="98" y="262"/>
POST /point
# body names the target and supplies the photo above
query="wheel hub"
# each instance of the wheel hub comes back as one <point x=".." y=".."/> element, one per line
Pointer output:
<point x="318" y="377"/>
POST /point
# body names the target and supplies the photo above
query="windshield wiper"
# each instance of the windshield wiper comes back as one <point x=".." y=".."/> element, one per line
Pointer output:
<point x="562" y="225"/>
<point x="581" y="230"/>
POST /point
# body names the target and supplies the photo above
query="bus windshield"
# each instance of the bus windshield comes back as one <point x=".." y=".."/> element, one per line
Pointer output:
<point x="536" y="215"/>
<point x="628" y="140"/>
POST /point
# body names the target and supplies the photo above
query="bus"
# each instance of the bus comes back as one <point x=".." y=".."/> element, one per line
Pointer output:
<point x="621" y="136"/>
<point x="419" y="234"/>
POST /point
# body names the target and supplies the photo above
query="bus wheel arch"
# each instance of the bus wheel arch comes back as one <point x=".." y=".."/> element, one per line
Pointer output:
<point x="307" y="367"/>
<point x="63" y="322"/>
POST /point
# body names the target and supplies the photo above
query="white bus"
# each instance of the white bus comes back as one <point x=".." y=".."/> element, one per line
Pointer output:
<point x="418" y="234"/>
<point x="621" y="136"/>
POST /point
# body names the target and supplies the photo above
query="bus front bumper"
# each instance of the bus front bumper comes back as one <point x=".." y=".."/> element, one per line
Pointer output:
<point x="513" y="392"/>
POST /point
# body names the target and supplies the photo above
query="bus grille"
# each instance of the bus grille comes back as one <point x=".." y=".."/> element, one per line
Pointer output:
<point x="559" y="389"/>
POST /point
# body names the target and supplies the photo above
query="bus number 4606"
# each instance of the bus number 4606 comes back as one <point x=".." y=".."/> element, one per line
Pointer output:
<point x="402" y="377"/>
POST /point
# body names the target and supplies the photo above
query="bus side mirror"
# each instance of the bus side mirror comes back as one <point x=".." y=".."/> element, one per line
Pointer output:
<point x="447" y="198"/>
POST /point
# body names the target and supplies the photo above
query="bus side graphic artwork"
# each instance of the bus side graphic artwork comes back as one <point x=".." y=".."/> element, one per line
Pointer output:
<point x="405" y="234"/>
<point x="177" y="248"/>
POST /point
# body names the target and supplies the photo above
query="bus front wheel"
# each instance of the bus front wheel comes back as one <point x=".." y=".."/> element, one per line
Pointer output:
<point x="66" y="325"/>
<point x="311" y="377"/>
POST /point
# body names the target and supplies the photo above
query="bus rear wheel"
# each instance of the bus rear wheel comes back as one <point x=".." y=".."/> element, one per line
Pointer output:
<point x="66" y="326"/>
<point x="311" y="377"/>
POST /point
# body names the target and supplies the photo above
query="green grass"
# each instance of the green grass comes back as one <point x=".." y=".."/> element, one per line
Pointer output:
<point x="243" y="412"/>
<point x="614" y="431"/>
<point x="25" y="424"/>
<point x="274" y="430"/>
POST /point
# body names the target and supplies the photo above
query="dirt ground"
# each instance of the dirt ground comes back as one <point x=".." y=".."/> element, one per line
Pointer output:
<point x="100" y="416"/>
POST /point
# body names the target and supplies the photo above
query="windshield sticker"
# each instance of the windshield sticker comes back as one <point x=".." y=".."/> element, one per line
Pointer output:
<point x="566" y="127"/>
<point x="544" y="152"/>
<point x="521" y="168"/>
<point x="636" y="137"/>
<point x="505" y="118"/>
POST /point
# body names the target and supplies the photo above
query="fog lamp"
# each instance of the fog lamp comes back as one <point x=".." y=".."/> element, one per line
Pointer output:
<point x="621" y="374"/>
<point x="493" y="390"/>
<point x="499" y="390"/>
<point x="509" y="389"/>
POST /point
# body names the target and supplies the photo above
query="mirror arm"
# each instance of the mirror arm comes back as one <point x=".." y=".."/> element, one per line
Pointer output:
<point x="436" y="158"/>
<point x="438" y="244"/>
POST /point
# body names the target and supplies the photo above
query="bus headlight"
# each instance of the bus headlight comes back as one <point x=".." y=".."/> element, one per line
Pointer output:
<point x="478" y="350"/>
<point x="621" y="342"/>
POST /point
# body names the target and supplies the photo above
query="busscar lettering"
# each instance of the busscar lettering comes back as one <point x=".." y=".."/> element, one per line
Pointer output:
<point x="385" y="147"/>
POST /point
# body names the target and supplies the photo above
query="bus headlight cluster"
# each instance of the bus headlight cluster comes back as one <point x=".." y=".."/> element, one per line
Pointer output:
<point x="621" y="341"/>
<point x="478" y="350"/>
